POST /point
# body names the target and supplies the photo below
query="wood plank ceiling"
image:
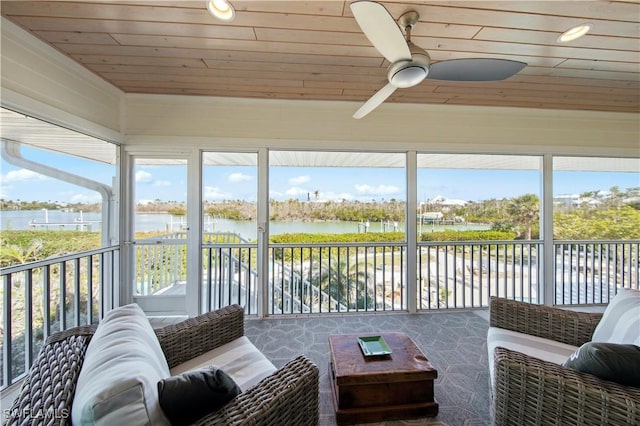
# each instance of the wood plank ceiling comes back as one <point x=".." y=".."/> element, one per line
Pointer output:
<point x="315" y="50"/>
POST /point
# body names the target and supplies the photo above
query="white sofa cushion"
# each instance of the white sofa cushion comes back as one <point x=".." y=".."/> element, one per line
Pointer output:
<point x="119" y="376"/>
<point x="538" y="347"/>
<point x="239" y="358"/>
<point x="620" y="322"/>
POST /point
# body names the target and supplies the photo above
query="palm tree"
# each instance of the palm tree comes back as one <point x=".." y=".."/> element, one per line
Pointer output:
<point x="525" y="210"/>
<point x="16" y="255"/>
<point x="346" y="282"/>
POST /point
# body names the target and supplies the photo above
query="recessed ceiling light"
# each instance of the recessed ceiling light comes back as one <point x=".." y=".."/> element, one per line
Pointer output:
<point x="221" y="9"/>
<point x="574" y="33"/>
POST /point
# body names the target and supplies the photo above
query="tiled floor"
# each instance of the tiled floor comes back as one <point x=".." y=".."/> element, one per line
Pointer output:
<point x="454" y="342"/>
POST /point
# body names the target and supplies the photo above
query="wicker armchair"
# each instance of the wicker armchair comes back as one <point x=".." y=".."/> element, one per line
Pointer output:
<point x="288" y="396"/>
<point x="529" y="391"/>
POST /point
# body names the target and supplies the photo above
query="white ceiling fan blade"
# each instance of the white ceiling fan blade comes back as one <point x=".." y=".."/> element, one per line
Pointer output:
<point x="381" y="29"/>
<point x="374" y="101"/>
<point x="474" y="69"/>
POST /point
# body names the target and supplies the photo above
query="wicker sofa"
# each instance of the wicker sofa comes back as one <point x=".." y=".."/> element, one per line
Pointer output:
<point x="288" y="396"/>
<point x="529" y="391"/>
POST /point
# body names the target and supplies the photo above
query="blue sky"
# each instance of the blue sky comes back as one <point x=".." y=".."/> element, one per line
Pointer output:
<point x="169" y="183"/>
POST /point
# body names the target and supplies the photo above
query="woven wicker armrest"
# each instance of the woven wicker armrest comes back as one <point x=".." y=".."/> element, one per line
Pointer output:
<point x="46" y="395"/>
<point x="192" y="337"/>
<point x="528" y="390"/>
<point x="570" y="327"/>
<point x="290" y="396"/>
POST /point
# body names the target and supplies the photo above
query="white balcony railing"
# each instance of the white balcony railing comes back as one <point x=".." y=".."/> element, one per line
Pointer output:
<point x="41" y="297"/>
<point x="590" y="272"/>
<point x="467" y="274"/>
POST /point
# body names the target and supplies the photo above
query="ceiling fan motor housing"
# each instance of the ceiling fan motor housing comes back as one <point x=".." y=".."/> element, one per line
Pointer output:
<point x="408" y="73"/>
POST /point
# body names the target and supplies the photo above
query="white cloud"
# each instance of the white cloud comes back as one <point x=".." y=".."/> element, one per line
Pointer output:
<point x="214" y="193"/>
<point x="142" y="176"/>
<point x="86" y="198"/>
<point x="4" y="191"/>
<point x="23" y="175"/>
<point x="377" y="190"/>
<point x="296" y="191"/>
<point x="299" y="180"/>
<point x="302" y="193"/>
<point x="161" y="183"/>
<point x="238" y="177"/>
<point x="335" y="196"/>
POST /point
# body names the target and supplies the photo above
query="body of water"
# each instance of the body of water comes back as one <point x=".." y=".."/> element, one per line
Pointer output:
<point x="61" y="220"/>
<point x="49" y="219"/>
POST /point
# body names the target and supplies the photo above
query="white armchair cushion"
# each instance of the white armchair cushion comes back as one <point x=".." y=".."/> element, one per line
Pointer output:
<point x="239" y="358"/>
<point x="620" y="322"/>
<point x="538" y="347"/>
<point x="119" y="376"/>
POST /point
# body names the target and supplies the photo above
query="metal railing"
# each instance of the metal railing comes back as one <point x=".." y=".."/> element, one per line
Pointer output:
<point x="161" y="261"/>
<point x="307" y="278"/>
<point x="40" y="298"/>
<point x="590" y="272"/>
<point x="336" y="277"/>
<point x="230" y="276"/>
<point x="466" y="274"/>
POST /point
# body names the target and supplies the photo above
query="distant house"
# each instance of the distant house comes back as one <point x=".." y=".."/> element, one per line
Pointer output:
<point x="566" y="200"/>
<point x="430" y="217"/>
<point x="574" y="200"/>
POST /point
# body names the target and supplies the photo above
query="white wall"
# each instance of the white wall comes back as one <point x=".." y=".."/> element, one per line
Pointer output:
<point x="40" y="81"/>
<point x="237" y="123"/>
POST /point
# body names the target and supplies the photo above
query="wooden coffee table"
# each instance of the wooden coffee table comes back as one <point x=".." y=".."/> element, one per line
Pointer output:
<point x="370" y="389"/>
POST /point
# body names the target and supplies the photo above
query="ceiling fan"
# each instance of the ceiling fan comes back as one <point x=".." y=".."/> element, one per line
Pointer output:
<point x="410" y="64"/>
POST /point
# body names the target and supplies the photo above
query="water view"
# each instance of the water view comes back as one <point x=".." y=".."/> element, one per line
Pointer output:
<point x="74" y="221"/>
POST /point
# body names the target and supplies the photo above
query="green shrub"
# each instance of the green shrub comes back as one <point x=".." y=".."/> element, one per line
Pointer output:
<point x="369" y="237"/>
<point x="17" y="247"/>
<point x="297" y="254"/>
<point x="467" y="236"/>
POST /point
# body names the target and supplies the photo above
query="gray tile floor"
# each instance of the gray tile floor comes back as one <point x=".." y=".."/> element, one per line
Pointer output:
<point x="454" y="342"/>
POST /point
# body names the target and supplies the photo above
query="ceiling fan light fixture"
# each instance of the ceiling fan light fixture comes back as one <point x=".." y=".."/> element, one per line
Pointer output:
<point x="221" y="9"/>
<point x="575" y="32"/>
<point x="408" y="76"/>
<point x="408" y="73"/>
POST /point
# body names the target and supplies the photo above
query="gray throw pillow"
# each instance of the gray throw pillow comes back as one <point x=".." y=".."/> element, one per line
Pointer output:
<point x="615" y="362"/>
<point x="194" y="394"/>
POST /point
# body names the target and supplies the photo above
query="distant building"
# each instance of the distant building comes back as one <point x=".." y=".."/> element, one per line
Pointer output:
<point x="574" y="200"/>
<point x="432" y="216"/>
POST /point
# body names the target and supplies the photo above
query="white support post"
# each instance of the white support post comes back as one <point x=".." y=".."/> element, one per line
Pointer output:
<point x="411" y="232"/>
<point x="263" y="233"/>
<point x="124" y="293"/>
<point x="194" y="235"/>
<point x="548" y="260"/>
